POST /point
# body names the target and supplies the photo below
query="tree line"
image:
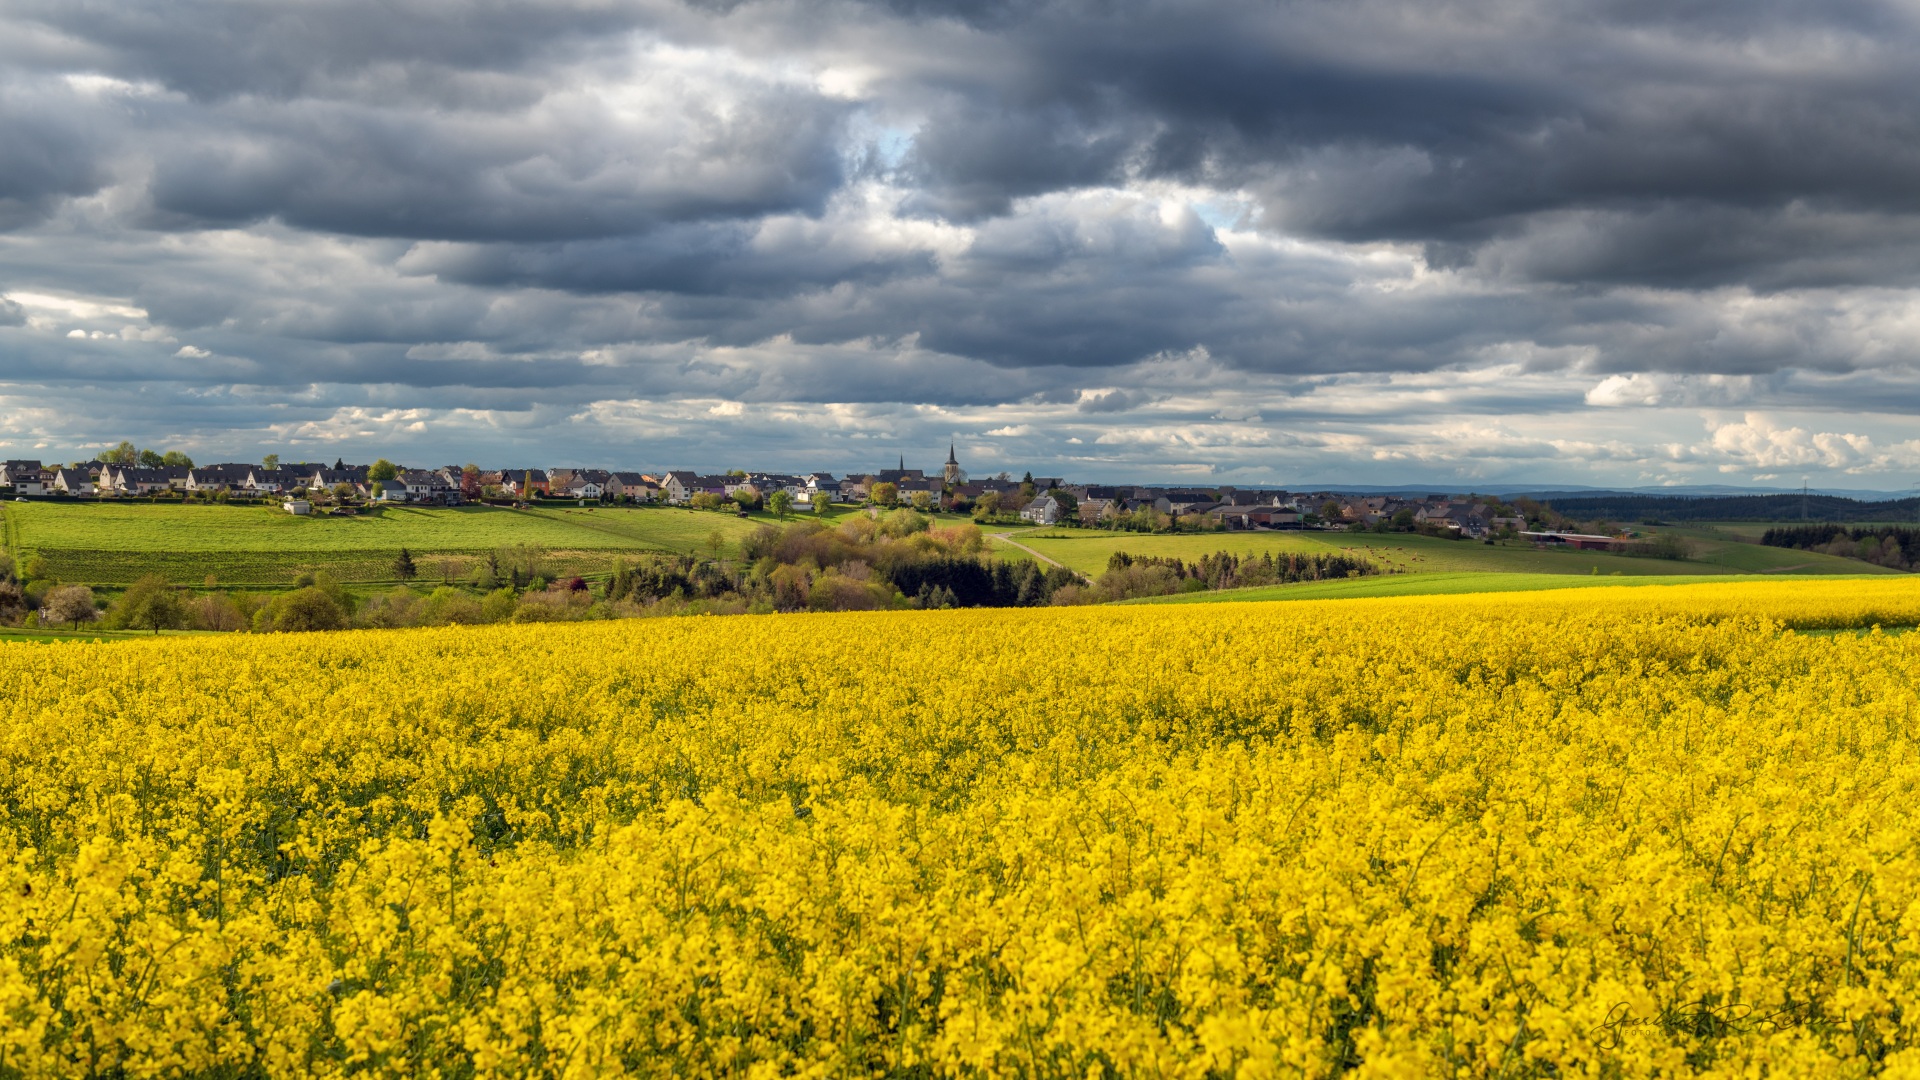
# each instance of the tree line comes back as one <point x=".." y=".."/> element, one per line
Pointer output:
<point x="1896" y="546"/>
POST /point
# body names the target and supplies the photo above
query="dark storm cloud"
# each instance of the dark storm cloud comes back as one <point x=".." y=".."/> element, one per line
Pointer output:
<point x="1145" y="216"/>
<point x="1371" y="121"/>
<point x="289" y="49"/>
<point x="43" y="157"/>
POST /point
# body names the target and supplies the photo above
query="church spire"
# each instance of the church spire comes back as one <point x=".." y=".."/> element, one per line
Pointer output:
<point x="951" y="460"/>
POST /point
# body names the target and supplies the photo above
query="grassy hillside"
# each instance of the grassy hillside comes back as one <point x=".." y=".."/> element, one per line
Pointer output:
<point x="1087" y="551"/>
<point x="115" y="543"/>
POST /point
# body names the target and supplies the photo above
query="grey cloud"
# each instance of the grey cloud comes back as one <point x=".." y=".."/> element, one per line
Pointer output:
<point x="530" y="210"/>
<point x="575" y="173"/>
<point x="728" y="258"/>
<point x="45" y="157"/>
<point x="287" y="49"/>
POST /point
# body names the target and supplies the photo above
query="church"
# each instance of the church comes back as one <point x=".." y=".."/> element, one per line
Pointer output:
<point x="950" y="474"/>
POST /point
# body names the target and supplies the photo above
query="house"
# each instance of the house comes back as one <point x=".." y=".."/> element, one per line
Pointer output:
<point x="524" y="482"/>
<point x="354" y="476"/>
<point x="421" y="486"/>
<point x="72" y="482"/>
<point x="131" y="480"/>
<point x="1043" y="510"/>
<point x="1184" y="502"/>
<point x="218" y="477"/>
<point x="681" y="486"/>
<point x="1094" y="508"/>
<point x="18" y="472"/>
<point x="1233" y="517"/>
<point x="637" y="487"/>
<point x="821" y="485"/>
<point x="262" y="480"/>
<point x="678" y="486"/>
<point x="298" y="507"/>
<point x="768" y="483"/>
<point x="1275" y="517"/>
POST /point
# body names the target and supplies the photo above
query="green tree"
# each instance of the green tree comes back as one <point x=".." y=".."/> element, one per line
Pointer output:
<point x="124" y="454"/>
<point x="403" y="567"/>
<point x="148" y="604"/>
<point x="34" y="569"/>
<point x="311" y="608"/>
<point x="781" y="504"/>
<point x="383" y="470"/>
<point x="176" y="458"/>
<point x="270" y="461"/>
<point x="922" y="501"/>
<point x="1069" y="506"/>
<point x="151" y="460"/>
<point x="884" y="493"/>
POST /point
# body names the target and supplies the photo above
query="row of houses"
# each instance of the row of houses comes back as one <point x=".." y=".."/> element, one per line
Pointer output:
<point x="1042" y="500"/>
<point x="109" y="479"/>
<point x="1466" y="517"/>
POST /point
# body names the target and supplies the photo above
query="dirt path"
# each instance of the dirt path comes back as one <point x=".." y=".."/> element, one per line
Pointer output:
<point x="1007" y="538"/>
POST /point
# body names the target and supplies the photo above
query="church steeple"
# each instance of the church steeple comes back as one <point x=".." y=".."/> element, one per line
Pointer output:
<point x="903" y="463"/>
<point x="951" y="474"/>
<point x="950" y="458"/>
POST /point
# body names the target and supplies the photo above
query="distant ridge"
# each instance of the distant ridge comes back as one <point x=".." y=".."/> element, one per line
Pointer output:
<point x="1793" y="506"/>
<point x="1547" y="492"/>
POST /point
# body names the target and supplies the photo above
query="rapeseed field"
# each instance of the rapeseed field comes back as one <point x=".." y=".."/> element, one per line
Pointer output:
<point x="1590" y="833"/>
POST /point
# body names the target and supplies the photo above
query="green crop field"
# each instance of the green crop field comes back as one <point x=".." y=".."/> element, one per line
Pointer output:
<point x="1087" y="551"/>
<point x="1438" y="584"/>
<point x="116" y="543"/>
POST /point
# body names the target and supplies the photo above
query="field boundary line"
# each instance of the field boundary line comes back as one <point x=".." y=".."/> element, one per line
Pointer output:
<point x="1007" y="538"/>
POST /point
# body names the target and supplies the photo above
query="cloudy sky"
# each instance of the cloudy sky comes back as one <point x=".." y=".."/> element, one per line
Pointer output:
<point x="1267" y="241"/>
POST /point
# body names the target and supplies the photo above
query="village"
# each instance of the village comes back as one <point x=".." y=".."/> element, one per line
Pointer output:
<point x="340" y="488"/>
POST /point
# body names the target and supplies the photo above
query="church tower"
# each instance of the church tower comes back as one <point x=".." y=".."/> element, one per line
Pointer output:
<point x="952" y="474"/>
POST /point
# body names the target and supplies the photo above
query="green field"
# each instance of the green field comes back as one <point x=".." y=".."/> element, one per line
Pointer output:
<point x="116" y="543"/>
<point x="1087" y="551"/>
<point x="1439" y="584"/>
<point x="112" y="543"/>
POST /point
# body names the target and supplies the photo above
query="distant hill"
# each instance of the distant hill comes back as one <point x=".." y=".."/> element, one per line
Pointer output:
<point x="1630" y="507"/>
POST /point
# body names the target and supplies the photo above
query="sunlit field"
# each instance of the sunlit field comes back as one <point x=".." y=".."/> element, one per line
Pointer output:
<point x="1597" y="832"/>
